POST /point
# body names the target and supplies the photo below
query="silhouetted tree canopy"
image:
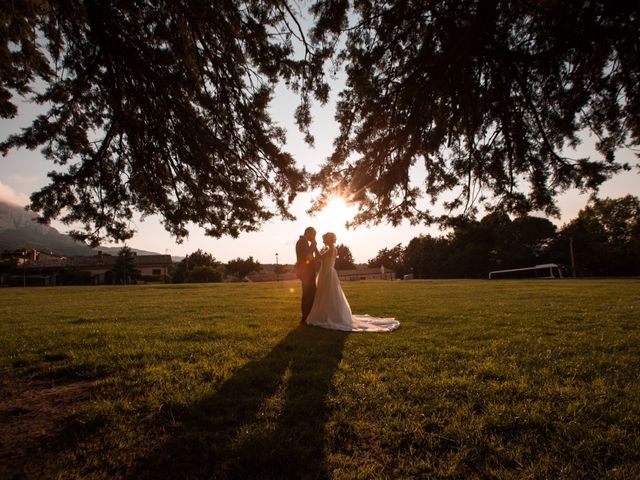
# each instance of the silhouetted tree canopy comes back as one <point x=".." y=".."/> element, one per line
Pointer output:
<point x="344" y="259"/>
<point x="391" y="258"/>
<point x="8" y="265"/>
<point x="496" y="241"/>
<point x="163" y="107"/>
<point x="158" y="106"/>
<point x="241" y="267"/>
<point x="280" y="269"/>
<point x="124" y="269"/>
<point x="606" y="241"/>
<point x="486" y="95"/>
<point x="606" y="238"/>
<point x="198" y="267"/>
<point x="205" y="274"/>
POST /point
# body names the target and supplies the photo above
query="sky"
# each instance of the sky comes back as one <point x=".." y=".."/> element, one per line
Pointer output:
<point x="23" y="172"/>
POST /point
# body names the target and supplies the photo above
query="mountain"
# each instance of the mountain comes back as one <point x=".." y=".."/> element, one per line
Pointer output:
<point x="18" y="229"/>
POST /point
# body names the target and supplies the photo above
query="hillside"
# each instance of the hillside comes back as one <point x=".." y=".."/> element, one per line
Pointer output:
<point x="18" y="229"/>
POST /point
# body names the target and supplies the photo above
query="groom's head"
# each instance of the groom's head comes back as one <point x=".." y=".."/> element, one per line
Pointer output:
<point x="310" y="234"/>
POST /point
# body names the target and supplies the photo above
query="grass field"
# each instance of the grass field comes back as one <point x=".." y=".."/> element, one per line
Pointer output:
<point x="500" y="379"/>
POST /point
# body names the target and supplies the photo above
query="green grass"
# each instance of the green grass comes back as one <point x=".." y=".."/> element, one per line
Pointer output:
<point x="500" y="379"/>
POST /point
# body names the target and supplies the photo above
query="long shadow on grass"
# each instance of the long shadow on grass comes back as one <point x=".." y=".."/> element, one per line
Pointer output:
<point x="266" y="421"/>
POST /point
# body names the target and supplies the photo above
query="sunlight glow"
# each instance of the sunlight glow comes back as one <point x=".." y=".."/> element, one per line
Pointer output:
<point x="333" y="217"/>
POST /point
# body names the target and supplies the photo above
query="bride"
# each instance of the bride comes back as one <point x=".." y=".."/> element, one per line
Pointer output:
<point x="330" y="307"/>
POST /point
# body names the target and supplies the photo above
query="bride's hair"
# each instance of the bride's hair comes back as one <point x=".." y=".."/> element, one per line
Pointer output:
<point x="329" y="238"/>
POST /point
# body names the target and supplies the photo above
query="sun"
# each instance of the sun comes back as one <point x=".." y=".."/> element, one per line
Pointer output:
<point x="333" y="217"/>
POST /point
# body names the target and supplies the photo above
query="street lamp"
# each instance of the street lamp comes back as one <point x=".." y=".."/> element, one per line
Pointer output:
<point x="277" y="276"/>
<point x="24" y="268"/>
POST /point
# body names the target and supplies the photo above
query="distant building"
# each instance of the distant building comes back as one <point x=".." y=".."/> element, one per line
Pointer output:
<point x="20" y="256"/>
<point x="45" y="269"/>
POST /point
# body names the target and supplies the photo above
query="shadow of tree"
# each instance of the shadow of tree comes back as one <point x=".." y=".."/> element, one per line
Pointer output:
<point x="266" y="421"/>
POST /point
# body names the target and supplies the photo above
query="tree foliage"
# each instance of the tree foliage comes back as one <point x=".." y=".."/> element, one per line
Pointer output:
<point x="474" y="248"/>
<point x="344" y="259"/>
<point x="205" y="274"/>
<point x="390" y="258"/>
<point x="161" y="107"/>
<point x="124" y="269"/>
<point x="281" y="269"/>
<point x="485" y="95"/>
<point x="198" y="267"/>
<point x="605" y="235"/>
<point x="606" y="238"/>
<point x="241" y="267"/>
<point x="8" y="265"/>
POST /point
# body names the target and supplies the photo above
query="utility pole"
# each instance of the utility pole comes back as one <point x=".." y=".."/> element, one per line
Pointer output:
<point x="277" y="275"/>
<point x="573" y="262"/>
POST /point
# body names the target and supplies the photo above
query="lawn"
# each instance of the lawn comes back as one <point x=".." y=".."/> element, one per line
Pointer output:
<point x="484" y="379"/>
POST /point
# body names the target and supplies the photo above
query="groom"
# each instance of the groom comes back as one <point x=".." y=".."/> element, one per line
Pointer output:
<point x="306" y="252"/>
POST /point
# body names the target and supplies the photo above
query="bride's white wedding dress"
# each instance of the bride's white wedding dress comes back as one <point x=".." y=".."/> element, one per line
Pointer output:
<point x="331" y="309"/>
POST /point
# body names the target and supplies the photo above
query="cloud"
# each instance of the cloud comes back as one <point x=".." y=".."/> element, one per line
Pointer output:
<point x="9" y="195"/>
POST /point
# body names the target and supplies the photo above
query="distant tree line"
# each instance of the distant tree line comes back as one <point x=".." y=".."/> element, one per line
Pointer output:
<point x="605" y="237"/>
<point x="202" y="267"/>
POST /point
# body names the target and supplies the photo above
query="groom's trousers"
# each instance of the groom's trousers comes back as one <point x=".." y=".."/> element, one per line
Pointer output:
<point x="308" y="279"/>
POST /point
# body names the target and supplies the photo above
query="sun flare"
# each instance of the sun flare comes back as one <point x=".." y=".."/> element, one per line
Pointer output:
<point x="333" y="217"/>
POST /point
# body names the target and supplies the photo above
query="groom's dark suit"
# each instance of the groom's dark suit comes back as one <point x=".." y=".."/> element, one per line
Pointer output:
<point x="306" y="271"/>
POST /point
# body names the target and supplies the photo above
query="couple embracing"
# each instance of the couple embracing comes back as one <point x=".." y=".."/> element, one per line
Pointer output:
<point x="323" y="301"/>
